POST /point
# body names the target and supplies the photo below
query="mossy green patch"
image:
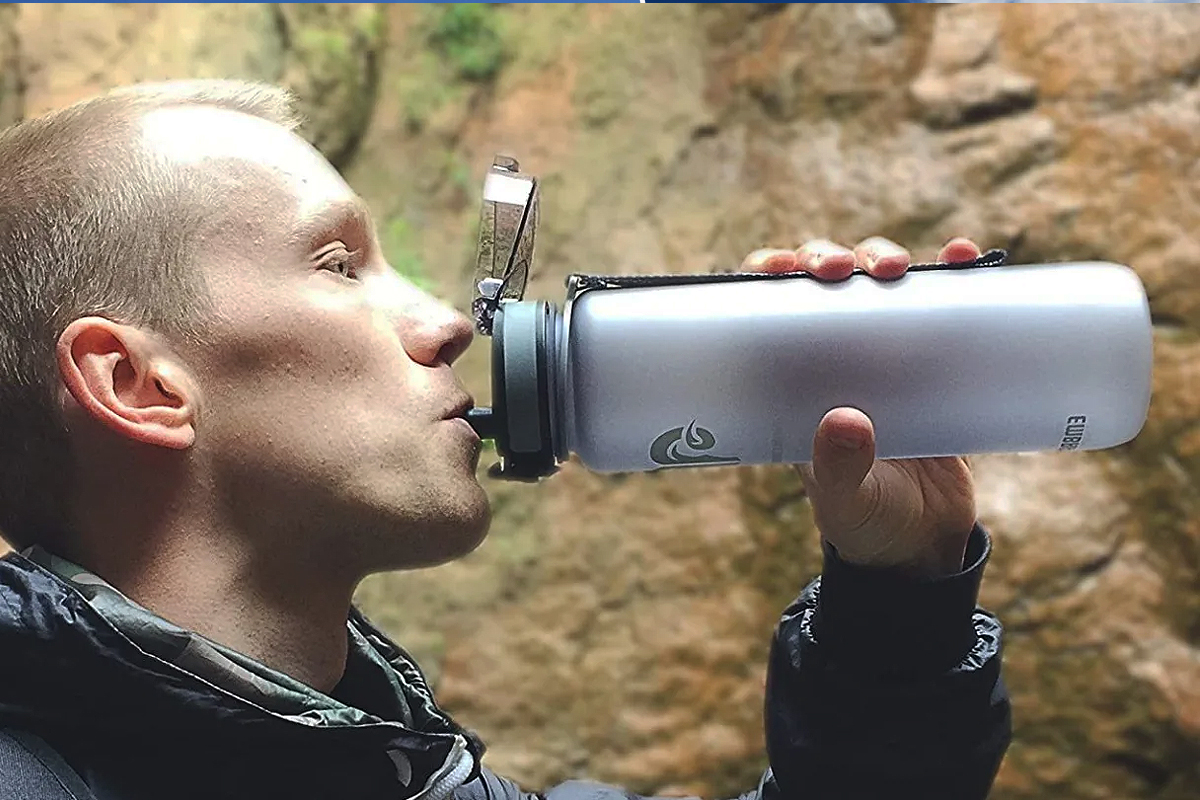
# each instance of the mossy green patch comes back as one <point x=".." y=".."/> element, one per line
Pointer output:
<point x="467" y="36"/>
<point x="424" y="88"/>
<point x="536" y="35"/>
<point x="331" y="63"/>
<point x="458" y="45"/>
<point x="401" y="247"/>
<point x="330" y="43"/>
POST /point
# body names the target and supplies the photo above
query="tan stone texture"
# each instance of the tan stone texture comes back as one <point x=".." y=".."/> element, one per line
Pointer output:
<point x="616" y="627"/>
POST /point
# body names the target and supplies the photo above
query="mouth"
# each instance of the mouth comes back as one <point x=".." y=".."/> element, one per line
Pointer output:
<point x="460" y="408"/>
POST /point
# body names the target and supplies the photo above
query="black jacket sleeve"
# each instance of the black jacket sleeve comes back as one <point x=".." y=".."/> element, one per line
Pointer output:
<point x="489" y="786"/>
<point x="880" y="686"/>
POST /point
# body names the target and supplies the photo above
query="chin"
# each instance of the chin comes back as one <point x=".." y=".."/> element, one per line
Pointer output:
<point x="462" y="529"/>
<point x="437" y="534"/>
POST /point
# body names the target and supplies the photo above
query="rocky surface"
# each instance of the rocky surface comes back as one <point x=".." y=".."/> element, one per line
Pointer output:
<point x="616" y="627"/>
<point x="11" y="90"/>
<point x="324" y="52"/>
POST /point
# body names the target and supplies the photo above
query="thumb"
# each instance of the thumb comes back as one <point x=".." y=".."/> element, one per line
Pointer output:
<point x="843" y="453"/>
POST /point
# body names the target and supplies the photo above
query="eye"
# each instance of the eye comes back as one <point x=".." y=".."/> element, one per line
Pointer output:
<point x="339" y="262"/>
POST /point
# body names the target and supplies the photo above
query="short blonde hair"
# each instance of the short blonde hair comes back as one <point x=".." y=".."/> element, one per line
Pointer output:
<point x="91" y="225"/>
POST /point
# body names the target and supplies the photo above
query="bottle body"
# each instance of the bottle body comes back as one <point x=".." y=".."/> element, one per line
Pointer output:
<point x="945" y="362"/>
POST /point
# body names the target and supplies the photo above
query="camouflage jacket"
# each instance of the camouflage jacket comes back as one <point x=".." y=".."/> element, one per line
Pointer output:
<point x="878" y="687"/>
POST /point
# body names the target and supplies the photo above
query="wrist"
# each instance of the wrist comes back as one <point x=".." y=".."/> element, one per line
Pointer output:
<point x="941" y="558"/>
<point x="921" y="623"/>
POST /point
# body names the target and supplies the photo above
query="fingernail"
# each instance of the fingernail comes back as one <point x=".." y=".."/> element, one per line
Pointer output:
<point x="772" y="260"/>
<point x="758" y="257"/>
<point x="846" y="442"/>
<point x="779" y="261"/>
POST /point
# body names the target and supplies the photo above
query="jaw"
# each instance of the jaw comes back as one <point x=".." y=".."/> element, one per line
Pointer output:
<point x="425" y="525"/>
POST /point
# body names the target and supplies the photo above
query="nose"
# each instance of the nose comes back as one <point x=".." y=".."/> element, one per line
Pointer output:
<point x="433" y="333"/>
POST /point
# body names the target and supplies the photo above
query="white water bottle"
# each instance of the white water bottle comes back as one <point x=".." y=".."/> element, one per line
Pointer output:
<point x="644" y="374"/>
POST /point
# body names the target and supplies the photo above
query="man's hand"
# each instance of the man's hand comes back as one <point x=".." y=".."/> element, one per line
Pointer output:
<point x="913" y="514"/>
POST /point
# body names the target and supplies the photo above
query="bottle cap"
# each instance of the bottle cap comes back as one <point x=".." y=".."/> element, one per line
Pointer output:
<point x="520" y="421"/>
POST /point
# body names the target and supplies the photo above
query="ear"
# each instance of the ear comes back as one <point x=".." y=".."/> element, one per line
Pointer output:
<point x="128" y="382"/>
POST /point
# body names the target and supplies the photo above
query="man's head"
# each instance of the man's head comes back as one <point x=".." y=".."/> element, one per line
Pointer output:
<point x="196" y="311"/>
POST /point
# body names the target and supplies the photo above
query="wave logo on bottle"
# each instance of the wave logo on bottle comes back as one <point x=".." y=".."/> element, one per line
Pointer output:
<point x="687" y="446"/>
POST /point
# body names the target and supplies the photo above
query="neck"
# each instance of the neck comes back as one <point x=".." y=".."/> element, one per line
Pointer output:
<point x="275" y="608"/>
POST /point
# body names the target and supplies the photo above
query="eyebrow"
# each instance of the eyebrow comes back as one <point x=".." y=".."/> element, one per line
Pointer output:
<point x="310" y="230"/>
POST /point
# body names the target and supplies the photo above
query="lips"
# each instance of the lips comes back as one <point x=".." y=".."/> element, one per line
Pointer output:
<point x="460" y="408"/>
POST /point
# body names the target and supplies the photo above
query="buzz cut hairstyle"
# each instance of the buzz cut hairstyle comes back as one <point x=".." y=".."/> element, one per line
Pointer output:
<point x="92" y="224"/>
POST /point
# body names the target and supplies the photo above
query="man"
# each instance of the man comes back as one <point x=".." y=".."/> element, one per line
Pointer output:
<point x="220" y="409"/>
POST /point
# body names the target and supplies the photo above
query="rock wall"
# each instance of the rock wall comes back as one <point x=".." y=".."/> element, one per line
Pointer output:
<point x="616" y="628"/>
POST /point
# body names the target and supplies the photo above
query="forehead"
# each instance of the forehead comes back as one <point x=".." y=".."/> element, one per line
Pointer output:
<point x="221" y="140"/>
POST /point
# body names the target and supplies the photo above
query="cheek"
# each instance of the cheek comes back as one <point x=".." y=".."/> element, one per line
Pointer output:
<point x="319" y="334"/>
<point x="320" y="358"/>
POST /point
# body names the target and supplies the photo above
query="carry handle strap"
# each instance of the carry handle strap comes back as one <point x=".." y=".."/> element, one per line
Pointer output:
<point x="578" y="283"/>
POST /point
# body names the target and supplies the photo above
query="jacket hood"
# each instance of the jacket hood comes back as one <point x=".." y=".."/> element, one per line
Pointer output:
<point x="107" y="682"/>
